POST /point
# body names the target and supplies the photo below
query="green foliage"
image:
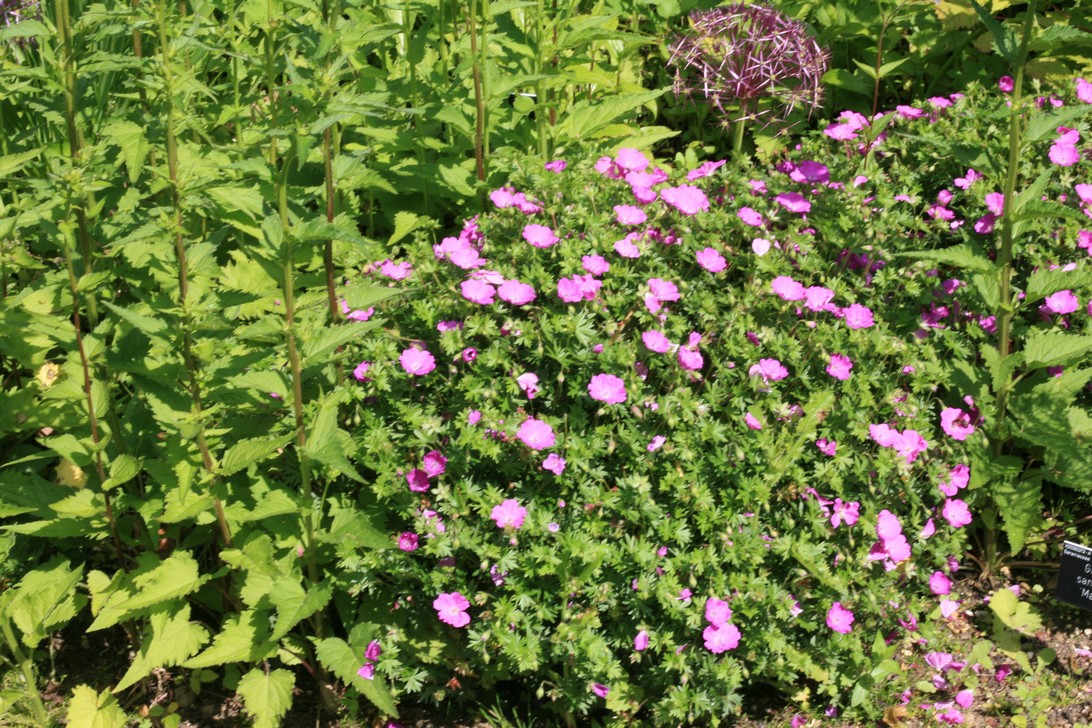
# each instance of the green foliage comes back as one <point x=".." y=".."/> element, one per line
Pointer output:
<point x="90" y="709"/>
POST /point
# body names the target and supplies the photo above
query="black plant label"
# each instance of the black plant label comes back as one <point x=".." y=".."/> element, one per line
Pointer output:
<point x="1075" y="575"/>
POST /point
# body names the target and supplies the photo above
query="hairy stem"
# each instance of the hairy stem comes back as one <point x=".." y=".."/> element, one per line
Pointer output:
<point x="26" y="666"/>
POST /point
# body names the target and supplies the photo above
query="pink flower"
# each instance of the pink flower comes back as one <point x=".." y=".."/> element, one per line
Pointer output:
<point x="631" y="160"/>
<point x="629" y="215"/>
<point x="840" y="367"/>
<point x="1064" y="155"/>
<point x="956" y="513"/>
<point x="367" y="671"/>
<point x="657" y="442"/>
<point x="627" y="248"/>
<point x="373" y="651"/>
<point x="578" y="288"/>
<point x="843" y="512"/>
<point x="956" y="423"/>
<point x="469" y="354"/>
<point x="1061" y="302"/>
<point x="504" y="197"/>
<point x="687" y="199"/>
<point x="407" y="541"/>
<point x="528" y="382"/>
<point x="1084" y="91"/>
<point x="711" y="260"/>
<point x="478" y="292"/>
<point x="793" y="202"/>
<point x="948" y="607"/>
<point x="640" y="642"/>
<point x="536" y="434"/>
<point x="556" y="166"/>
<point x="752" y="421"/>
<point x="839" y="618"/>
<point x="706" y="169"/>
<point x="539" y="236"/>
<point x="750" y="217"/>
<point x="663" y="290"/>
<point x="607" y="388"/>
<point x="451" y="609"/>
<point x="473" y="418"/>
<point x="810" y="172"/>
<point x="1006" y="84"/>
<point x="827" y="447"/>
<point x="717" y="612"/>
<point x="958" y="478"/>
<point x="435" y="463"/>
<point x="964" y="183"/>
<point x="910" y="444"/>
<point x="965" y="698"/>
<point x="771" y="370"/>
<point x="788" y="289"/>
<point x="554" y="463"/>
<point x="516" y="293"/>
<point x="395" y="271"/>
<point x="417" y="480"/>
<point x="597" y="265"/>
<point x="818" y="298"/>
<point x="360" y="373"/>
<point x="656" y="341"/>
<point x="721" y="639"/>
<point x="509" y="514"/>
<point x="599" y="688"/>
<point x="928" y="529"/>
<point x="417" y="362"/>
<point x="760" y="246"/>
<point x="940" y="584"/>
<point x="887" y="525"/>
<point x="995" y="203"/>
<point x="858" y="317"/>
<point x="690" y="360"/>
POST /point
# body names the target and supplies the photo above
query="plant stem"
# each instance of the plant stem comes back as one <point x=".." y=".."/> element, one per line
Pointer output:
<point x="479" y="100"/>
<point x="26" y="666"/>
<point x="183" y="275"/>
<point x="737" y="132"/>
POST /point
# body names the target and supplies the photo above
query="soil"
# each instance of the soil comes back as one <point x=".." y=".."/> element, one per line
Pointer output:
<point x="1059" y="697"/>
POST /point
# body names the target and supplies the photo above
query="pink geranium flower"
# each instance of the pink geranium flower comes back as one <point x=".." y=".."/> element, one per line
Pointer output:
<point x="554" y="463"/>
<point x="629" y="215"/>
<point x="539" y="236"/>
<point x="396" y="271"/>
<point x="721" y="639"/>
<point x="827" y="447"/>
<point x="690" y="359"/>
<point x="752" y="421"/>
<point x="607" y="388"/>
<point x="536" y="434"/>
<point x="840" y="619"/>
<point x="706" y="169"/>
<point x="687" y="199"/>
<point x="528" y="382"/>
<point x="417" y="480"/>
<point x="656" y="341"/>
<point x="509" y="514"/>
<point x="599" y="688"/>
<point x="640" y="642"/>
<point x="750" y="217"/>
<point x="597" y="265"/>
<point x="771" y="370"/>
<point x="956" y="513"/>
<point x="787" y="289"/>
<point x="451" y="609"/>
<point x="407" y="541"/>
<point x="956" y="423"/>
<point x="711" y="260"/>
<point x="793" y="202"/>
<point x="360" y="373"/>
<point x="940" y="584"/>
<point x="818" y="298"/>
<point x="858" y="317"/>
<point x="434" y="463"/>
<point x="1062" y="302"/>
<point x="717" y="612"/>
<point x="417" y="362"/>
<point x="958" y="478"/>
<point x="478" y="292"/>
<point x="631" y="160"/>
<point x="840" y="367"/>
<point x="516" y="293"/>
<point x="843" y="512"/>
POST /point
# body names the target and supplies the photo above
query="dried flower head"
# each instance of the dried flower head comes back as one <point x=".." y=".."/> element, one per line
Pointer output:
<point x="738" y="55"/>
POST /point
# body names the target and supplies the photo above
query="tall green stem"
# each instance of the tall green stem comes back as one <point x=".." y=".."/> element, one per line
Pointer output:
<point x="26" y="666"/>
<point x="479" y="98"/>
<point x="183" y="273"/>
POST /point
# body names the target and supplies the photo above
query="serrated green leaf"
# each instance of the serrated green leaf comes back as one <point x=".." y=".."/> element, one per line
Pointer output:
<point x="134" y="147"/>
<point x="1003" y="38"/>
<point x="90" y="709"/>
<point x="123" y="468"/>
<point x="147" y="324"/>
<point x="340" y="659"/>
<point x="153" y="584"/>
<point x="294" y="604"/>
<point x="317" y="350"/>
<point x="960" y="256"/>
<point x="267" y="695"/>
<point x="844" y="79"/>
<point x="170" y="640"/>
<point x="1020" y="503"/>
<point x="404" y="224"/>
<point x="1044" y="282"/>
<point x="327" y="443"/>
<point x="1050" y="349"/>
<point x="45" y="600"/>
<point x="587" y="117"/>
<point x="1013" y="613"/>
<point x="245" y="453"/>
<point x="239" y="640"/>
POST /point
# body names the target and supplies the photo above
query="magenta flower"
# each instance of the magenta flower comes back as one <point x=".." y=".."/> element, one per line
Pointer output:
<point x="687" y="199"/>
<point x="721" y="639"/>
<point x="793" y="202"/>
<point x="771" y="370"/>
<point x="1062" y="302"/>
<point x="407" y="541"/>
<point x="539" y="236"/>
<point x="478" y="292"/>
<point x="1064" y="155"/>
<point x="536" y="434"/>
<point x="435" y="463"/>
<point x="451" y="609"/>
<point x="360" y="373"/>
<point x="631" y="160"/>
<point x="711" y="260"/>
<point x="528" y="382"/>
<point x="417" y="480"/>
<point x="509" y="514"/>
<point x="995" y="203"/>
<point x="1006" y="84"/>
<point x="395" y="271"/>
<point x="417" y="362"/>
<point x="597" y="265"/>
<point x="940" y="584"/>
<point x="599" y="688"/>
<point x="750" y="217"/>
<point x="656" y="341"/>
<point x="556" y="166"/>
<point x="554" y="463"/>
<point x="827" y="447"/>
<point x="839" y="618"/>
<point x="840" y="367"/>
<point x="663" y="290"/>
<point x="656" y="443"/>
<point x="809" y="172"/>
<point x="843" y="512"/>
<point x="956" y="513"/>
<point x="640" y="642"/>
<point x="578" y="288"/>
<point x="690" y="359"/>
<point x="787" y="289"/>
<point x="516" y="293"/>
<point x="760" y="246"/>
<point x="504" y="197"/>
<point x="607" y="388"/>
<point x="858" y="317"/>
<point x="706" y="169"/>
<point x="629" y="215"/>
<point x="956" y="423"/>
<point x="366" y="671"/>
<point x="752" y="421"/>
<point x="818" y="298"/>
<point x="958" y="478"/>
<point x="373" y="651"/>
<point x="717" y="612"/>
<point x="469" y="354"/>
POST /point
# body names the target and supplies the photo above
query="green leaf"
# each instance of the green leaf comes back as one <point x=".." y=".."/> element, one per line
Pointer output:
<point x="151" y="585"/>
<point x="1013" y="613"/>
<point x="1044" y="282"/>
<point x="239" y="640"/>
<point x="267" y="695"/>
<point x="1046" y="210"/>
<point x="147" y="324"/>
<point x="171" y="639"/>
<point x="340" y="659"/>
<point x="134" y="147"/>
<point x="123" y="468"/>
<point x="587" y="117"/>
<point x="327" y="444"/>
<point x="1063" y="38"/>
<point x="12" y="163"/>
<point x="404" y="224"/>
<point x="294" y="605"/>
<point x="245" y="453"/>
<point x="459" y="177"/>
<point x="1003" y="38"/>
<point x="1056" y="349"/>
<point x="45" y="600"/>
<point x="1045" y="125"/>
<point x="960" y="256"/>
<point x="90" y="709"/>
<point x="1019" y="501"/>
<point x="317" y="350"/>
<point x="843" y="79"/>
